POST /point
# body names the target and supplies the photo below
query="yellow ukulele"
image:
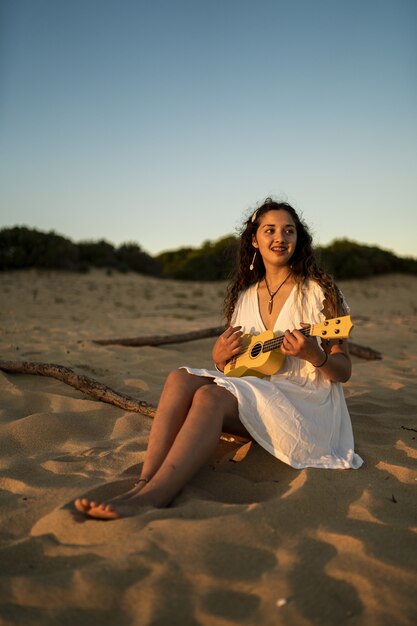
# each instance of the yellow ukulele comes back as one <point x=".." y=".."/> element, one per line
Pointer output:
<point x="260" y="355"/>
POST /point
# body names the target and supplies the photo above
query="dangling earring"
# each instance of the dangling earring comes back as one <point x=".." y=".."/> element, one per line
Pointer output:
<point x="251" y="266"/>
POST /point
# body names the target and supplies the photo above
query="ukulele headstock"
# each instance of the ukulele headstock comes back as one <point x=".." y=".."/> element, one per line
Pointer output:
<point x="336" y="328"/>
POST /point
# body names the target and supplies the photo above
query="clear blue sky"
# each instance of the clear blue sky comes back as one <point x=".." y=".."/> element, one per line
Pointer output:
<point x="163" y="121"/>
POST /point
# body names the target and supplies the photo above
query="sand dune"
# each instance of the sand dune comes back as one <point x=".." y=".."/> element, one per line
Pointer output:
<point x="254" y="542"/>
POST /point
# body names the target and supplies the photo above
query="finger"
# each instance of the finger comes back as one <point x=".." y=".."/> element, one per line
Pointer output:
<point x="298" y="336"/>
<point x="231" y="331"/>
<point x="284" y="348"/>
<point x="235" y="338"/>
<point x="289" y="339"/>
<point x="232" y="341"/>
<point x="227" y="333"/>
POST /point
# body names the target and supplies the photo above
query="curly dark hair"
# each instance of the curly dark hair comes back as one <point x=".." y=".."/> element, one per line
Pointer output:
<point x="303" y="263"/>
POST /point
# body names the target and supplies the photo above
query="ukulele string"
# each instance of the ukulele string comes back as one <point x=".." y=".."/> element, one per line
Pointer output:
<point x="271" y="344"/>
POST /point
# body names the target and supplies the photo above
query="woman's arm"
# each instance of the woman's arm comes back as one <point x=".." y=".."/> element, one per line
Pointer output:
<point x="338" y="366"/>
<point x="332" y="358"/>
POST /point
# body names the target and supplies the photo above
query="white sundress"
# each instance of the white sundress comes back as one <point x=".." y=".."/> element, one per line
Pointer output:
<point x="297" y="415"/>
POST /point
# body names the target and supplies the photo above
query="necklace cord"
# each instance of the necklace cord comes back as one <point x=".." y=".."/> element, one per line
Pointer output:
<point x="272" y="295"/>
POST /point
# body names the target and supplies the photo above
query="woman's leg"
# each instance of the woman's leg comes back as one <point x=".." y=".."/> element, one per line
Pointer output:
<point x="174" y="404"/>
<point x="191" y="449"/>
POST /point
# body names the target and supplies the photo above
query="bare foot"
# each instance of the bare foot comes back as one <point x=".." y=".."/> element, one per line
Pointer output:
<point x="118" y="508"/>
<point x="84" y="505"/>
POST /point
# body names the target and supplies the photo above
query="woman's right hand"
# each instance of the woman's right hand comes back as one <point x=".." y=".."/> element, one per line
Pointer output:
<point x="227" y="346"/>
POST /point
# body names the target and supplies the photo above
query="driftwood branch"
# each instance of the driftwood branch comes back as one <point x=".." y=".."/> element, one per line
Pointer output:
<point x="363" y="352"/>
<point x="87" y="385"/>
<point x="103" y="393"/>
<point x="160" y="340"/>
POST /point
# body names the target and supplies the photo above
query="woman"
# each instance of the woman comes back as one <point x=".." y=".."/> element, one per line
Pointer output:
<point x="298" y="414"/>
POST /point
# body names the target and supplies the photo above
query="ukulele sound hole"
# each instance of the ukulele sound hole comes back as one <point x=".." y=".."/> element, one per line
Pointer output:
<point x="257" y="349"/>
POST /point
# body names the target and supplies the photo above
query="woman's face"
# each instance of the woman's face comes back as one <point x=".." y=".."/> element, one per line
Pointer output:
<point x="276" y="237"/>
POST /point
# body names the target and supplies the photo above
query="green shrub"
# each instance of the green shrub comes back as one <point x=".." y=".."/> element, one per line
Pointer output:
<point x="347" y="259"/>
<point x="22" y="247"/>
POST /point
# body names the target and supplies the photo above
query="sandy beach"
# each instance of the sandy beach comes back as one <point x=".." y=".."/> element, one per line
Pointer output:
<point x="253" y="542"/>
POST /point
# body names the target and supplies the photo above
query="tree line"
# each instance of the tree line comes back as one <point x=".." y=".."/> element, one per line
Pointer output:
<point x="22" y="248"/>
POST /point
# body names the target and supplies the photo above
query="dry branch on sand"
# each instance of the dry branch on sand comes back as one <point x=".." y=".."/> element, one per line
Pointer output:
<point x="87" y="385"/>
<point x="364" y="352"/>
<point x="160" y="340"/>
<point x="103" y="393"/>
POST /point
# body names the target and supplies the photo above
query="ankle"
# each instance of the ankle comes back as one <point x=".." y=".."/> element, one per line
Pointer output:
<point x="141" y="481"/>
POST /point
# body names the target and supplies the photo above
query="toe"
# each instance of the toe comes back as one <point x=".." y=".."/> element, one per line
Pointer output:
<point x="103" y="512"/>
<point x="81" y="505"/>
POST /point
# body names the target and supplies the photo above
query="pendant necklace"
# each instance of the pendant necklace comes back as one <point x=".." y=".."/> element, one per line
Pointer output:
<point x="273" y="294"/>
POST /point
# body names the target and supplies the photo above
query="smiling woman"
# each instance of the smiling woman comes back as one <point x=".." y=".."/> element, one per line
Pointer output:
<point x="298" y="413"/>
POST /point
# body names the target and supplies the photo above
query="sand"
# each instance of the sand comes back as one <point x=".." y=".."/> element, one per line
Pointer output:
<point x="254" y="542"/>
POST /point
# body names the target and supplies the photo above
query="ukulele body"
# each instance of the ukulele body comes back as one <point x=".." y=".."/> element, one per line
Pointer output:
<point x="255" y="362"/>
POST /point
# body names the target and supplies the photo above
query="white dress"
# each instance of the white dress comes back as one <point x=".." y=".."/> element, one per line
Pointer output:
<point x="297" y="415"/>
